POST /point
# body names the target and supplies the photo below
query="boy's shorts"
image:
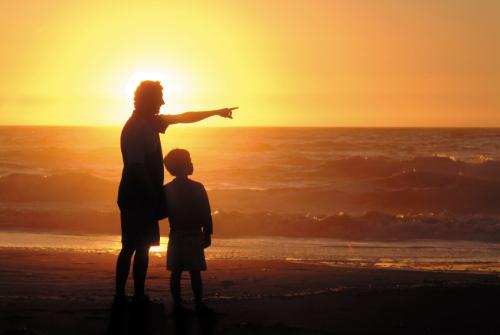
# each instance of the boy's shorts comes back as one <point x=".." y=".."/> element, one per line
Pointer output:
<point x="185" y="251"/>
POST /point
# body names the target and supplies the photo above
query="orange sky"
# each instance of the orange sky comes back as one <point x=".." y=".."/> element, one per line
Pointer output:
<point x="285" y="63"/>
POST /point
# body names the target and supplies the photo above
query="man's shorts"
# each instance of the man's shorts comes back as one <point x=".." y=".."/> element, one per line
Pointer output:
<point x="185" y="251"/>
<point x="139" y="227"/>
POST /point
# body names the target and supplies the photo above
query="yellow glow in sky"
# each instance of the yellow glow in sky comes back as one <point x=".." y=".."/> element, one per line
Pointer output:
<point x="285" y="63"/>
<point x="174" y="86"/>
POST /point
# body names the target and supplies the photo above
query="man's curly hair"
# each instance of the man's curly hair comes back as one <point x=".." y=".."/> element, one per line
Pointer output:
<point x="145" y="91"/>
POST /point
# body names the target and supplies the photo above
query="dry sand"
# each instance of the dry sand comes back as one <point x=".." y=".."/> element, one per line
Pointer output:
<point x="60" y="292"/>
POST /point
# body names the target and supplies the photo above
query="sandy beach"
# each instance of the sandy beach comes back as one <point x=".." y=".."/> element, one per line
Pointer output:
<point x="60" y="292"/>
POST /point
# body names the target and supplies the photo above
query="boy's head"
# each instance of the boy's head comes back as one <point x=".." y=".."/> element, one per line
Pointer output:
<point x="178" y="163"/>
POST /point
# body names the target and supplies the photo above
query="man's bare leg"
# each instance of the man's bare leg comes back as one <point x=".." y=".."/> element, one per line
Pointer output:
<point x="123" y="269"/>
<point x="141" y="262"/>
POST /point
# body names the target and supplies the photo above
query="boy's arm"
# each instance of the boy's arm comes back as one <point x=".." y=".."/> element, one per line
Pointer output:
<point x="207" y="218"/>
<point x="190" y="117"/>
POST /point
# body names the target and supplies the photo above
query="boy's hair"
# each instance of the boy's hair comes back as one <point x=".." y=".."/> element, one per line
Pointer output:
<point x="178" y="162"/>
<point x="144" y="91"/>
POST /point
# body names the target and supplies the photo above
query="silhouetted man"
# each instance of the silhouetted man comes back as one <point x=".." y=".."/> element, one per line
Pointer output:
<point x="140" y="191"/>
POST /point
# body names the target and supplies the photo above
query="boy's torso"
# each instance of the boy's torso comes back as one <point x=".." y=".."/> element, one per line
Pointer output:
<point x="184" y="199"/>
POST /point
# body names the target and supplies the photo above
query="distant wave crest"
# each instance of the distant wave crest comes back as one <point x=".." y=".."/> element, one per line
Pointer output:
<point x="353" y="185"/>
<point x="57" y="187"/>
<point x="359" y="167"/>
<point x="368" y="226"/>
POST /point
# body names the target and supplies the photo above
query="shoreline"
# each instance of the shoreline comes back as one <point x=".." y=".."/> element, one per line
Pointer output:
<point x="58" y="292"/>
<point x="408" y="255"/>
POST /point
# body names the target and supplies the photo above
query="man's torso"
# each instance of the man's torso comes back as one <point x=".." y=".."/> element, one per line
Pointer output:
<point x="140" y="143"/>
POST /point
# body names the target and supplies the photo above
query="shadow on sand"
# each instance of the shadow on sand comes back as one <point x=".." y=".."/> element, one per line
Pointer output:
<point x="152" y="319"/>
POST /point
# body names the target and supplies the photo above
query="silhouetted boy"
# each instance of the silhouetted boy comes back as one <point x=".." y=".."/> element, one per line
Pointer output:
<point x="190" y="227"/>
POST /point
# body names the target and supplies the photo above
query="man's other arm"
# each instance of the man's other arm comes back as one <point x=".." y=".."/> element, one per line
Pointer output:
<point x="134" y="149"/>
<point x="141" y="176"/>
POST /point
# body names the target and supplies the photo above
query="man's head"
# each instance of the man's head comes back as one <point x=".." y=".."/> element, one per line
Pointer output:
<point x="178" y="163"/>
<point x="148" y="97"/>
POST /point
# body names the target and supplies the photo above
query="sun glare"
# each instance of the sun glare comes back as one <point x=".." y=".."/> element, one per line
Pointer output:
<point x="171" y="83"/>
<point x="137" y="77"/>
<point x="173" y="87"/>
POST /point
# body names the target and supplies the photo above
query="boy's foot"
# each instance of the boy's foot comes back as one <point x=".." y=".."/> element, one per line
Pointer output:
<point x="181" y="310"/>
<point x="203" y="309"/>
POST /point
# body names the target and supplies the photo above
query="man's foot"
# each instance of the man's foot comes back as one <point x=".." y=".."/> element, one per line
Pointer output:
<point x="181" y="310"/>
<point x="145" y="301"/>
<point x="203" y="309"/>
<point x="120" y="301"/>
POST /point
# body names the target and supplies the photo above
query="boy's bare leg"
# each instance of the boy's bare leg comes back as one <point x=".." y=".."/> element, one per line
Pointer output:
<point x="197" y="286"/>
<point x="122" y="270"/>
<point x="175" y="287"/>
<point x="141" y="260"/>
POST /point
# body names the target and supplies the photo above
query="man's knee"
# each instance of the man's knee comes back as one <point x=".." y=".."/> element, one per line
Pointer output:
<point x="141" y="257"/>
<point x="127" y="251"/>
<point x="142" y="250"/>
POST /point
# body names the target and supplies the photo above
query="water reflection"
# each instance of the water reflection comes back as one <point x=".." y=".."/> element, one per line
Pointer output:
<point x="433" y="255"/>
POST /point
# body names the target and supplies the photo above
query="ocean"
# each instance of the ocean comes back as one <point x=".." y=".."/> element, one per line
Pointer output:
<point x="342" y="186"/>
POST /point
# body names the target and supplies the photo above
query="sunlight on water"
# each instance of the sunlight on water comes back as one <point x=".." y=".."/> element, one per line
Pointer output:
<point x="412" y="255"/>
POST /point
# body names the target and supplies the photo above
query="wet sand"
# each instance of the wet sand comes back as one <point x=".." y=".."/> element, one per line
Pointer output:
<point x="61" y="292"/>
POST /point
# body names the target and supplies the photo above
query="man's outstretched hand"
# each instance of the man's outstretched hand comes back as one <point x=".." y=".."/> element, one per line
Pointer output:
<point x="226" y="112"/>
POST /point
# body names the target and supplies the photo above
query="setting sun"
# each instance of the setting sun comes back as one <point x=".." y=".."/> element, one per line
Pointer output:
<point x="137" y="77"/>
<point x="352" y="63"/>
<point x="174" y="89"/>
<point x="172" y="84"/>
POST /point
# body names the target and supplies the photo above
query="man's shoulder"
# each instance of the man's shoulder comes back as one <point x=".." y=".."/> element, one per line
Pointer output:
<point x="154" y="124"/>
<point x="160" y="123"/>
<point x="133" y="125"/>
